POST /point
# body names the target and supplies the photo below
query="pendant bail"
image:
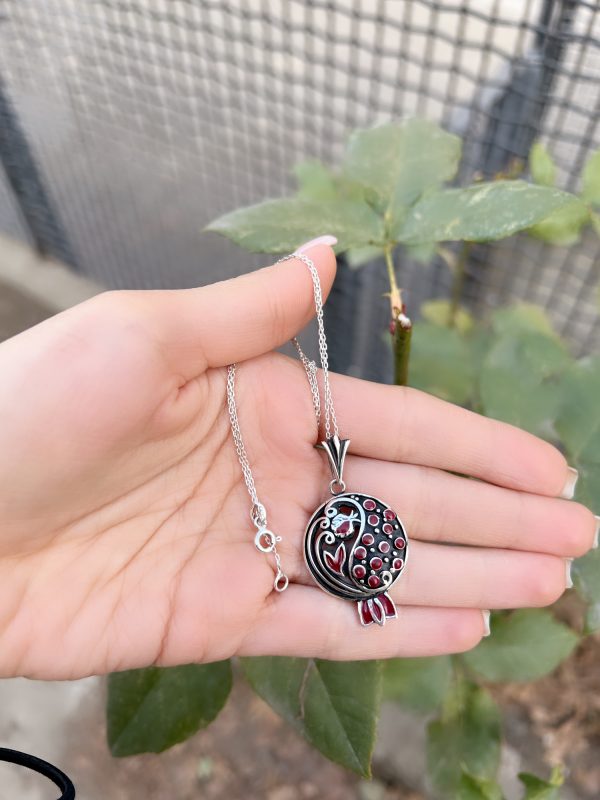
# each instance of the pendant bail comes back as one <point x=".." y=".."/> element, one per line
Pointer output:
<point x="336" y="449"/>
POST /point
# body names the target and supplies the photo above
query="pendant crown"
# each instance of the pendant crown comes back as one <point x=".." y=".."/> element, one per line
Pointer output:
<point x="336" y="449"/>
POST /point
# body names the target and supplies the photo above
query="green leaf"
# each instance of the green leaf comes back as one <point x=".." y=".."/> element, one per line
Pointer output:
<point x="334" y="705"/>
<point x="586" y="577"/>
<point x="422" y="252"/>
<point x="591" y="179"/>
<point x="522" y="317"/>
<point x="467" y="738"/>
<point x="579" y="420"/>
<point x="524" y="645"/>
<point x="578" y="425"/>
<point x="438" y="312"/>
<point x="538" y="789"/>
<point x="473" y="788"/>
<point x="520" y="380"/>
<point x="359" y="256"/>
<point x="315" y="181"/>
<point x="441" y="363"/>
<point x="417" y="683"/>
<point x="150" y="710"/>
<point x="588" y="485"/>
<point x="400" y="161"/>
<point x="481" y="213"/>
<point x="278" y="226"/>
<point x="563" y="227"/>
<point x="541" y="165"/>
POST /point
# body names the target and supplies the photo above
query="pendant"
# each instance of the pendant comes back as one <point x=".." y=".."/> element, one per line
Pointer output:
<point x="355" y="546"/>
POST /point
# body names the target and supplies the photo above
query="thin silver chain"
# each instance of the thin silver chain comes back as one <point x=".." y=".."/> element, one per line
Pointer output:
<point x="330" y="419"/>
<point x="265" y="540"/>
<point x="311" y="374"/>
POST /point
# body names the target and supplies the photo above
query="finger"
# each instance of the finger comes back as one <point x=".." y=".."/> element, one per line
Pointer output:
<point x="304" y="621"/>
<point x="470" y="577"/>
<point x="473" y="577"/>
<point x="440" y="507"/>
<point x="236" y="319"/>
<point x="396" y="423"/>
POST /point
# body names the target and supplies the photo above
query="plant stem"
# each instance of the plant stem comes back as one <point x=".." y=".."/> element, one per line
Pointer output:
<point x="458" y="282"/>
<point x="400" y="324"/>
<point x="402" y="335"/>
<point x="395" y="293"/>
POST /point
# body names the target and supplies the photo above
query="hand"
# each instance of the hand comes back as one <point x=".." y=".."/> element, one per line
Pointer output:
<point x="125" y="537"/>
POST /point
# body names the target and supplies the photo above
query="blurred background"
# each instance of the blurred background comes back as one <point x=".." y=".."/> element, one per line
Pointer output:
<point x="127" y="125"/>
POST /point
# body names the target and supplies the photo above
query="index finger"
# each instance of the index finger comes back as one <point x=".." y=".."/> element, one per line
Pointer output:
<point x="396" y="423"/>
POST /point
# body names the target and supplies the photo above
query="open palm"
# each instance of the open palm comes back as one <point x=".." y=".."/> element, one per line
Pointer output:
<point x="125" y="537"/>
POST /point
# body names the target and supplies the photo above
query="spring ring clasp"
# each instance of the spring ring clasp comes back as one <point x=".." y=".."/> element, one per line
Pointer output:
<point x="265" y="540"/>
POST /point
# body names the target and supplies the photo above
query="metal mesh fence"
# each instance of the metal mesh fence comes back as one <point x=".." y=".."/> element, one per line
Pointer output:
<point x="144" y="119"/>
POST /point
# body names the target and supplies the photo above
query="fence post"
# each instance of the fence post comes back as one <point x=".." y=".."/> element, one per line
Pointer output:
<point x="24" y="177"/>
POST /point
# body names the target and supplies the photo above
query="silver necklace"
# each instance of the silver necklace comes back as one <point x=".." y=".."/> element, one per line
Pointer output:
<point x="355" y="545"/>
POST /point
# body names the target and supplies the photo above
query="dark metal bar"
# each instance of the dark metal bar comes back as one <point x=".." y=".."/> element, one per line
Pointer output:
<point x="24" y="177"/>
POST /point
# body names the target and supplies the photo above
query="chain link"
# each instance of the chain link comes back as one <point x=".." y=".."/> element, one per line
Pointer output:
<point x="265" y="540"/>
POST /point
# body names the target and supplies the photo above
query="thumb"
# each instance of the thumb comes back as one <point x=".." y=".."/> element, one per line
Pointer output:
<point x="243" y="317"/>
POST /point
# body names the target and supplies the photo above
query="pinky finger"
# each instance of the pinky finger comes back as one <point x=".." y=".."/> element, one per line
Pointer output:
<point x="307" y="623"/>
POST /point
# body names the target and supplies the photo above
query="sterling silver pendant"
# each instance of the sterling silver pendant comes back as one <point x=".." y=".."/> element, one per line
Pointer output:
<point x="355" y="546"/>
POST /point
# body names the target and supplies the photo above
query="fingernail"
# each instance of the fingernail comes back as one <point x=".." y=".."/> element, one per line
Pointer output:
<point x="597" y="533"/>
<point x="486" y="622"/>
<point x="327" y="239"/>
<point x="568" y="576"/>
<point x="568" y="491"/>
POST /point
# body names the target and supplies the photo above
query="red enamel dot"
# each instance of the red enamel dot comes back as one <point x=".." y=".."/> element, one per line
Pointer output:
<point x="368" y="539"/>
<point x="373" y="581"/>
<point x="359" y="571"/>
<point x="384" y="547"/>
<point x="376" y="563"/>
<point x="400" y="543"/>
<point x="387" y="528"/>
<point x="397" y="563"/>
<point x="389" y="514"/>
<point x="373" y="519"/>
<point x="369" y="505"/>
<point x="360" y="553"/>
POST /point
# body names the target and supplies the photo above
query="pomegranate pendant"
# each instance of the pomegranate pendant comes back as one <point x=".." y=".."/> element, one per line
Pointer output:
<point x="355" y="546"/>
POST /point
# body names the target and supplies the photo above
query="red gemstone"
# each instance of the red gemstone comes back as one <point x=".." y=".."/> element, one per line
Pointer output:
<point x="384" y="547"/>
<point x="373" y="519"/>
<point x="387" y="528"/>
<point x="360" y="552"/>
<point x="377" y="611"/>
<point x="369" y="505"/>
<point x="376" y="563"/>
<point x="359" y="571"/>
<point x="373" y="581"/>
<point x="389" y="514"/>
<point x="365" y="612"/>
<point x="368" y="539"/>
<point x="388" y="605"/>
<point x="400" y="543"/>
<point x="397" y="563"/>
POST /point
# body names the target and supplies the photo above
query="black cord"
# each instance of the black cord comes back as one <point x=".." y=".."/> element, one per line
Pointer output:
<point x="43" y="767"/>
